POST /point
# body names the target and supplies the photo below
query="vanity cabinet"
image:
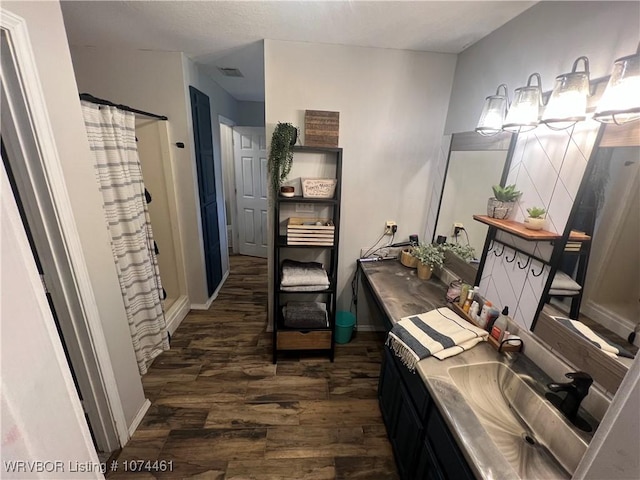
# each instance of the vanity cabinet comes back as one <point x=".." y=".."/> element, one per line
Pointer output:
<point x="421" y="442"/>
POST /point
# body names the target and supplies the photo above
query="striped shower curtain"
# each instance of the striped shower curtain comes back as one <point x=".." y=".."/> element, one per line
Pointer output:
<point x="111" y="134"/>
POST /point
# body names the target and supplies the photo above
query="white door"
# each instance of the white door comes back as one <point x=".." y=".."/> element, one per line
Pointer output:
<point x="250" y="160"/>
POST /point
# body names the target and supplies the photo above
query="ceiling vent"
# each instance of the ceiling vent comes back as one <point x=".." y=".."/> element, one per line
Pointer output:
<point x="231" y="72"/>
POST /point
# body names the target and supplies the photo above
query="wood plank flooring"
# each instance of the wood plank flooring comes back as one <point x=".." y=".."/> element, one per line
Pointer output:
<point x="222" y="410"/>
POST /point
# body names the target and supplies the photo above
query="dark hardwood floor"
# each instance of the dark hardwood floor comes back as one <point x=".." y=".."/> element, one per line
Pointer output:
<point x="222" y="410"/>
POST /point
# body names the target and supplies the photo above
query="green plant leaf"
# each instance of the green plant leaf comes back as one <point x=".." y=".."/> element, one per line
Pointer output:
<point x="280" y="154"/>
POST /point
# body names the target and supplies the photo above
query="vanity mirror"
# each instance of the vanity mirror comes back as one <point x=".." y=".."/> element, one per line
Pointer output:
<point x="605" y="297"/>
<point x="475" y="163"/>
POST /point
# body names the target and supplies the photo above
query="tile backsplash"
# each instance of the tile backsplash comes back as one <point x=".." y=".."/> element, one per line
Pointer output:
<point x="547" y="167"/>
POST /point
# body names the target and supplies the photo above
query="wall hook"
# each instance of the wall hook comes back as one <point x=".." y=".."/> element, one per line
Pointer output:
<point x="515" y="254"/>
<point x="501" y="252"/>
<point x="537" y="274"/>
<point x="522" y="267"/>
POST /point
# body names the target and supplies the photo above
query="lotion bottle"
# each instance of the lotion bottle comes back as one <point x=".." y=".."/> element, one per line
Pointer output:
<point x="468" y="302"/>
<point x="473" y="311"/>
<point x="484" y="314"/>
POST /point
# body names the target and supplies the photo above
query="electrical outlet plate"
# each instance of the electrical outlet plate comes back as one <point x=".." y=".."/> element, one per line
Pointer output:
<point x="388" y="227"/>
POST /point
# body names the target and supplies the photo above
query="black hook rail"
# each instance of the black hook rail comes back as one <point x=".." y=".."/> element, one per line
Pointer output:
<point x="87" y="97"/>
<point x="517" y="251"/>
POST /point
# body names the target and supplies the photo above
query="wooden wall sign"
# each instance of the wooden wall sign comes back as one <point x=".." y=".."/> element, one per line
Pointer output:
<point x="321" y="128"/>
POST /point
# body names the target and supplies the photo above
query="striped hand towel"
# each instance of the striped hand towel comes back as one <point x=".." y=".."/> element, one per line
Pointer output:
<point x="610" y="348"/>
<point x="440" y="332"/>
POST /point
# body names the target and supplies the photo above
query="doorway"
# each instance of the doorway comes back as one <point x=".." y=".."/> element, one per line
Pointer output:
<point x="251" y="188"/>
<point x="30" y="154"/>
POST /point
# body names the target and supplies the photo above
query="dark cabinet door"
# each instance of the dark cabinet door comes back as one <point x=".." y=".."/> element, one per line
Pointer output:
<point x="205" y="164"/>
<point x="388" y="393"/>
<point x="408" y="435"/>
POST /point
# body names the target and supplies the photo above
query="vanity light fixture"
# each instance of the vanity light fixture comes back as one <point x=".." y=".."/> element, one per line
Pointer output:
<point x="568" y="101"/>
<point x="526" y="108"/>
<point x="493" y="113"/>
<point x="620" y="102"/>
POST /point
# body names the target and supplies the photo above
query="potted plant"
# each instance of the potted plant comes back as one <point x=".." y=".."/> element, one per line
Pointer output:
<point x="281" y="155"/>
<point x="465" y="252"/>
<point x="407" y="258"/>
<point x="503" y="201"/>
<point x="535" y="220"/>
<point x="430" y="256"/>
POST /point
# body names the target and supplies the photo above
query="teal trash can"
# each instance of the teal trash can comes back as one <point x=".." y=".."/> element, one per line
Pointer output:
<point x="345" y="321"/>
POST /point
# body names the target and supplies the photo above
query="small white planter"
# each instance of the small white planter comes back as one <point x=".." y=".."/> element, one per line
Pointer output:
<point x="534" y="223"/>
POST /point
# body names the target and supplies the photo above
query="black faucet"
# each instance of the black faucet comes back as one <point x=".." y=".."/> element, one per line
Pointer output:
<point x="575" y="390"/>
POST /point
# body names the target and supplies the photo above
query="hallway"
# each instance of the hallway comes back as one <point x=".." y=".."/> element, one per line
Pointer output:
<point x="222" y="410"/>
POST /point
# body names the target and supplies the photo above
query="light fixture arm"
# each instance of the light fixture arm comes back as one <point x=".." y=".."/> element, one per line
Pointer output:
<point x="506" y="91"/>
<point x="537" y="77"/>
<point x="586" y="65"/>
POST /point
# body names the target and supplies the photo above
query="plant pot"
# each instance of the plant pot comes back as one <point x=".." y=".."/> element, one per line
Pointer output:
<point x="498" y="209"/>
<point x="408" y="260"/>
<point x="424" y="271"/>
<point x="534" y="223"/>
<point x="287" y="191"/>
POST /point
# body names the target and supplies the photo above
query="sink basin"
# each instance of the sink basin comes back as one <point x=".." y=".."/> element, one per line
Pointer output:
<point x="525" y="428"/>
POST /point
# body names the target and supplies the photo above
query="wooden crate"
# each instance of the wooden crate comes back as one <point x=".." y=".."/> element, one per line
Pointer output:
<point x="321" y="128"/>
<point x="304" y="340"/>
<point x="304" y="231"/>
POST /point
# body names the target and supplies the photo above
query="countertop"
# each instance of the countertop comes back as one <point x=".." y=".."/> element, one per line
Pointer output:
<point x="400" y="293"/>
<point x="399" y="290"/>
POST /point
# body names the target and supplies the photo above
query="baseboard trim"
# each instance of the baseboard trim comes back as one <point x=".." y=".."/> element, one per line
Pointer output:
<point x="176" y="313"/>
<point x="205" y="306"/>
<point x="608" y="319"/>
<point x="139" y="416"/>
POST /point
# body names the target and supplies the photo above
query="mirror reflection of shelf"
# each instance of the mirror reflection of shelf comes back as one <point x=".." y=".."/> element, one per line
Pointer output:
<point x="519" y="230"/>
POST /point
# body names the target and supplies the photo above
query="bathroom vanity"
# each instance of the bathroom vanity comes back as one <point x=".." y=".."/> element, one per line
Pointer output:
<point x="479" y="414"/>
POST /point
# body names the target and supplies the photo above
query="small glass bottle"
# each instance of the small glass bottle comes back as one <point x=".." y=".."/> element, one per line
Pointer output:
<point x="468" y="302"/>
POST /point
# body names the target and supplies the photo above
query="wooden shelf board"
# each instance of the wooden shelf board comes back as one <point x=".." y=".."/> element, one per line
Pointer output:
<point x="576" y="236"/>
<point x="330" y="201"/>
<point x="518" y="229"/>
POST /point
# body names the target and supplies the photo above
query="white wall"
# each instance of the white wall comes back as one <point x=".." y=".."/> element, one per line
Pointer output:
<point x="392" y="108"/>
<point x="470" y="176"/>
<point x="251" y="114"/>
<point x="42" y="418"/>
<point x="547" y="38"/>
<point x="51" y="50"/>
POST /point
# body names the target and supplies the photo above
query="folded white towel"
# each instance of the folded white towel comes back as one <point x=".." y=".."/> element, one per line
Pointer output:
<point x="440" y="332"/>
<point x="610" y="348"/>
<point x="305" y="288"/>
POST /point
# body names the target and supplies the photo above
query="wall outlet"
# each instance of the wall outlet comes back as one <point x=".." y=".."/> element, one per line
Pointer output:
<point x="390" y="227"/>
<point x="457" y="227"/>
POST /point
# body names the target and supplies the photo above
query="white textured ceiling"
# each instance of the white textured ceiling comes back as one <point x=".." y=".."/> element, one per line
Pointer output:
<point x="230" y="33"/>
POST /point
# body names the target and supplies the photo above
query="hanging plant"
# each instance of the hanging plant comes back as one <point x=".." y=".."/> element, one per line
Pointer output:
<point x="281" y="156"/>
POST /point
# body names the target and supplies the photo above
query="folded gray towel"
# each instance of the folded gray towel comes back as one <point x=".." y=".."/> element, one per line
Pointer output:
<point x="296" y="274"/>
<point x="305" y="315"/>
<point x="562" y="281"/>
